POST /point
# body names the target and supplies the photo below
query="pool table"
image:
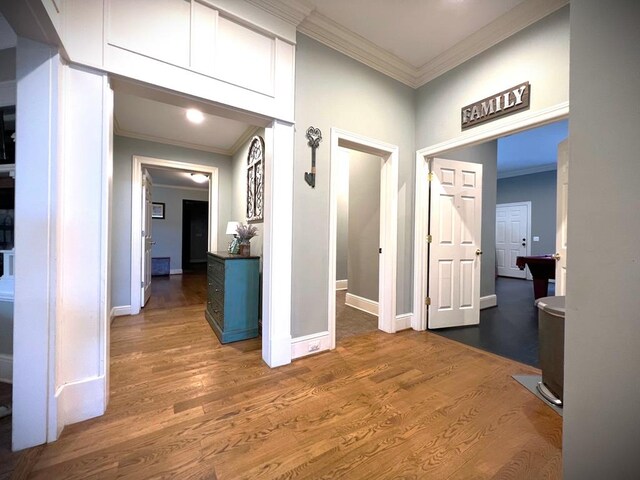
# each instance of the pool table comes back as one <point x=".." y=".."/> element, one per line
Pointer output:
<point x="542" y="268"/>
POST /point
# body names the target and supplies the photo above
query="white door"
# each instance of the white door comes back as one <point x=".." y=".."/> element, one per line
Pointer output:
<point x="147" y="241"/>
<point x="561" y="217"/>
<point x="454" y="252"/>
<point x="512" y="234"/>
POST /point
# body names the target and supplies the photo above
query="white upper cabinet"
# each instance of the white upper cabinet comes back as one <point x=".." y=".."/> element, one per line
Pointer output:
<point x="190" y="46"/>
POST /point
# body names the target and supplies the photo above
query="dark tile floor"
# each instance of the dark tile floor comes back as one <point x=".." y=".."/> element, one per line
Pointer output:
<point x="510" y="329"/>
<point x="351" y="321"/>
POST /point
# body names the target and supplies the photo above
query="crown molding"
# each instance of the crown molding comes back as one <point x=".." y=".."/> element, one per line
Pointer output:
<point x="333" y="35"/>
<point x="515" y="20"/>
<point x="527" y="171"/>
<point x="177" y="143"/>
<point x="244" y="138"/>
<point x="291" y="11"/>
<point x="205" y="188"/>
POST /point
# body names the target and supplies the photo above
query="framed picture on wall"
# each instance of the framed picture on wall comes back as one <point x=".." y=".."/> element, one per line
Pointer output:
<point x="157" y="210"/>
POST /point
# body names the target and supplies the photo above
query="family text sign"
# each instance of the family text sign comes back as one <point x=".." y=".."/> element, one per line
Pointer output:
<point x="509" y="101"/>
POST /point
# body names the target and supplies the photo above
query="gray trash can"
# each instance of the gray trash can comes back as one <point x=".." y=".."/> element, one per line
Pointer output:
<point x="551" y="337"/>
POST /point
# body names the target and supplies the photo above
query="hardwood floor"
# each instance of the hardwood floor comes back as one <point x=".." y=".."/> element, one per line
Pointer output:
<point x="409" y="405"/>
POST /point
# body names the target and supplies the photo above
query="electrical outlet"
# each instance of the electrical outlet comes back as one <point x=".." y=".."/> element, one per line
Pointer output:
<point x="314" y="346"/>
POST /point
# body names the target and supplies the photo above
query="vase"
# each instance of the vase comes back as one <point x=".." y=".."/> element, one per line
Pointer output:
<point x="245" y="249"/>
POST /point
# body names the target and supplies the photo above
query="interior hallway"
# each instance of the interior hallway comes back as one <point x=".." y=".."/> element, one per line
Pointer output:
<point x="351" y="321"/>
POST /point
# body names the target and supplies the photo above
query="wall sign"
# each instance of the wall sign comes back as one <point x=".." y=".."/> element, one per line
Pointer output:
<point x="499" y="105"/>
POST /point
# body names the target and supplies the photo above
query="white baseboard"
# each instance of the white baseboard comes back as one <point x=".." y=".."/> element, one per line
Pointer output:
<point x="403" y="322"/>
<point x="175" y="271"/>
<point x="488" y="301"/>
<point x="342" y="284"/>
<point x="361" y="303"/>
<point x="82" y="400"/>
<point x="6" y="368"/>
<point x="121" y="311"/>
<point x="310" y="344"/>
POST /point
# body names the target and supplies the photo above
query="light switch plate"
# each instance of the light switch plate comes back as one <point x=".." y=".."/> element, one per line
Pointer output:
<point x="536" y="239"/>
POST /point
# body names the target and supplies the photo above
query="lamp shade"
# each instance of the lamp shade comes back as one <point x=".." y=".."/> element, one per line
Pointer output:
<point x="231" y="228"/>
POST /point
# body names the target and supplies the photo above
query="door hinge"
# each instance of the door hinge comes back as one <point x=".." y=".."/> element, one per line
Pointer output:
<point x="427" y="301"/>
<point x="143" y="233"/>
<point x="430" y="177"/>
<point x="429" y="238"/>
<point x="142" y="284"/>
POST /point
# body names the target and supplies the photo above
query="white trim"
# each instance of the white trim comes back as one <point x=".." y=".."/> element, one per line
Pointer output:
<point x="7" y="296"/>
<point x="404" y="321"/>
<point x="82" y="400"/>
<point x="361" y="303"/>
<point x="8" y="93"/>
<point x="175" y="271"/>
<point x="388" y="224"/>
<point x="176" y="143"/>
<point x="481" y="134"/>
<point x="136" y="214"/>
<point x="488" y="301"/>
<point x="310" y="344"/>
<point x="528" y="171"/>
<point x="527" y="251"/>
<point x="342" y="284"/>
<point x="121" y="311"/>
<point x="6" y="368"/>
<point x="176" y="187"/>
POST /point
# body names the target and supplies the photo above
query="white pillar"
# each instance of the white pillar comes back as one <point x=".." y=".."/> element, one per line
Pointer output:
<point x="35" y="262"/>
<point x="277" y="247"/>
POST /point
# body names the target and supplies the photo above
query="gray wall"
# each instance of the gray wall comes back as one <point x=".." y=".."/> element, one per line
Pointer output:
<point x="123" y="149"/>
<point x="487" y="155"/>
<point x="333" y="90"/>
<point x="540" y="190"/>
<point x="239" y="198"/>
<point x="363" y="242"/>
<point x="539" y="54"/>
<point x="6" y="328"/>
<point x="7" y="64"/>
<point x="602" y="350"/>
<point x="167" y="232"/>
<point x="342" y="227"/>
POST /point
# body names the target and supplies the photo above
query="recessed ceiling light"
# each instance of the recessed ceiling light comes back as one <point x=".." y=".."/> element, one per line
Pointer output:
<point x="199" y="177"/>
<point x="195" y="116"/>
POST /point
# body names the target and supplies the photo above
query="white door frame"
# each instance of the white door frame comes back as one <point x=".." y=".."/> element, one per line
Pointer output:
<point x="136" y="215"/>
<point x="469" y="138"/>
<point x="530" y="239"/>
<point x="388" y="224"/>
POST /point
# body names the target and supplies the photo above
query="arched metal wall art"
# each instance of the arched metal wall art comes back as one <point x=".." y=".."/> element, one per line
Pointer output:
<point x="314" y="135"/>
<point x="255" y="180"/>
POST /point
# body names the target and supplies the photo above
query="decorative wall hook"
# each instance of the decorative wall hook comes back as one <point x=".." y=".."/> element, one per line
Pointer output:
<point x="314" y="135"/>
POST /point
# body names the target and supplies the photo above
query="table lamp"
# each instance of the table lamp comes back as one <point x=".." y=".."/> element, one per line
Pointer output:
<point x="231" y="230"/>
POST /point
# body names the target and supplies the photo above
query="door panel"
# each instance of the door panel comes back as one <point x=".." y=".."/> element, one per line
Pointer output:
<point x="561" y="217"/>
<point x="454" y="264"/>
<point x="512" y="237"/>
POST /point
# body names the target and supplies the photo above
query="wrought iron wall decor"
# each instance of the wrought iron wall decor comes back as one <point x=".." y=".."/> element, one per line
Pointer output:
<point x="314" y="135"/>
<point x="255" y="180"/>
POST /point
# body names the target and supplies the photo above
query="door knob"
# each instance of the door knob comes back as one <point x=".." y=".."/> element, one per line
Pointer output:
<point x="557" y="256"/>
<point x="478" y="252"/>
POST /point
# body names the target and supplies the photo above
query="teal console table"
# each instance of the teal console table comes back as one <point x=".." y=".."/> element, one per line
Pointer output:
<point x="233" y="296"/>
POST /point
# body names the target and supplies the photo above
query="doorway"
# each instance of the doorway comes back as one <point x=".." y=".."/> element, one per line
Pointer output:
<point x="513" y="227"/>
<point x="388" y="212"/>
<point x="501" y="324"/>
<point x="195" y="226"/>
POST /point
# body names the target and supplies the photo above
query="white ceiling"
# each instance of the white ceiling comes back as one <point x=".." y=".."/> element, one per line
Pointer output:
<point x="532" y="151"/>
<point x="147" y="119"/>
<point x="416" y="31"/>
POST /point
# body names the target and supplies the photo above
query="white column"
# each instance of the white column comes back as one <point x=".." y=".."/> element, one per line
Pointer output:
<point x="277" y="247"/>
<point x="35" y="264"/>
<point x="83" y="222"/>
